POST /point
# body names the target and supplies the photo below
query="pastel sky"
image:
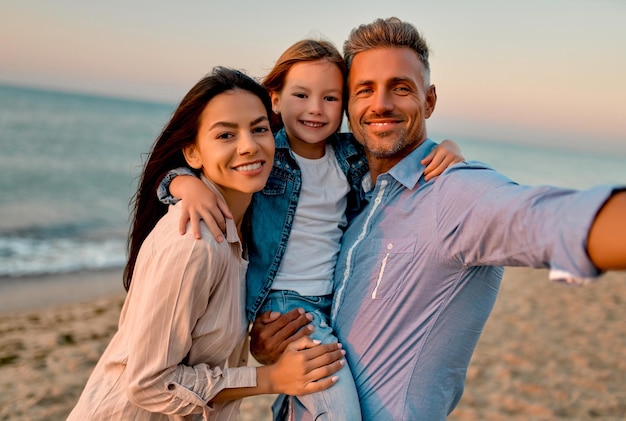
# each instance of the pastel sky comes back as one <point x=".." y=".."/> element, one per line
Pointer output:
<point x="541" y="71"/>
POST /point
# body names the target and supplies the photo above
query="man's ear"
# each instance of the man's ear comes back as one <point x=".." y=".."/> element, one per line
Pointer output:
<point x="192" y="156"/>
<point x="431" y="100"/>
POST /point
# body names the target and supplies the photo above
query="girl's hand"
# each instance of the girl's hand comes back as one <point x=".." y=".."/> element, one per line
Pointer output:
<point x="441" y="157"/>
<point x="305" y="367"/>
<point x="200" y="203"/>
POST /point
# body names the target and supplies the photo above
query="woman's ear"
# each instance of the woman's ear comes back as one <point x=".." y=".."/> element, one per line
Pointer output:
<point x="192" y="156"/>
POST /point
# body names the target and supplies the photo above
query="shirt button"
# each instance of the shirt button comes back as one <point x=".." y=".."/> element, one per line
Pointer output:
<point x="389" y="246"/>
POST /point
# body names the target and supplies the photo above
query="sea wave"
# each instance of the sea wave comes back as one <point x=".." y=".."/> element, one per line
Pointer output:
<point x="32" y="255"/>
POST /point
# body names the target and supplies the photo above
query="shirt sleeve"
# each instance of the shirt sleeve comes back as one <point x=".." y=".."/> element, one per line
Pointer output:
<point x="170" y="293"/>
<point x="486" y="219"/>
<point x="163" y="191"/>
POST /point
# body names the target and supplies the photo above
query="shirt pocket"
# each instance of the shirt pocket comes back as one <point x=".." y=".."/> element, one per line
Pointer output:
<point x="391" y="266"/>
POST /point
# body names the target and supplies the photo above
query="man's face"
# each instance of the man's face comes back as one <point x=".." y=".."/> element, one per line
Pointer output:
<point x="389" y="102"/>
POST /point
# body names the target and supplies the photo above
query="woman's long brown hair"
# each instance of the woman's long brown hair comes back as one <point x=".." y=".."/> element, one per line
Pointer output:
<point x="167" y="152"/>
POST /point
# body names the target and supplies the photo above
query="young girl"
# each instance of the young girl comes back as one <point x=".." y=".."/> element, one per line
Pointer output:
<point x="181" y="340"/>
<point x="299" y="217"/>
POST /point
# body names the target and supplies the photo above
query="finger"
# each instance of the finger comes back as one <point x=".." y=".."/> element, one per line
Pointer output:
<point x="288" y="323"/>
<point x="212" y="223"/>
<point x="215" y="215"/>
<point x="182" y="222"/>
<point x="428" y="158"/>
<point x="436" y="167"/>
<point x="295" y="329"/>
<point x="223" y="206"/>
<point x="320" y="385"/>
<point x="302" y="343"/>
<point x="324" y="373"/>
<point x="195" y="226"/>
<point x="323" y="355"/>
<point x="267" y="317"/>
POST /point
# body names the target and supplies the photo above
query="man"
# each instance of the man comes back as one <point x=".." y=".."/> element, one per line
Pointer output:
<point x="420" y="266"/>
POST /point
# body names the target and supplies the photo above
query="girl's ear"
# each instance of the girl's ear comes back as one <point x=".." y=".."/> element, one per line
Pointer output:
<point x="192" y="156"/>
<point x="275" y="102"/>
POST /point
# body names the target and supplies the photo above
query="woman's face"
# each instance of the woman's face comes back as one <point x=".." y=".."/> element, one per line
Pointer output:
<point x="234" y="146"/>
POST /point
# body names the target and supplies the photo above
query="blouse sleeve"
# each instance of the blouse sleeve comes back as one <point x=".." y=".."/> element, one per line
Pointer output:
<point x="169" y="294"/>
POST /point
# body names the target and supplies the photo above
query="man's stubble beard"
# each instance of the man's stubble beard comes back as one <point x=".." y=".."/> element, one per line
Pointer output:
<point x="400" y="144"/>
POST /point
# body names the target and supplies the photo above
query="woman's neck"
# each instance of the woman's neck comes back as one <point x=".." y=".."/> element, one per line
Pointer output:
<point x="238" y="204"/>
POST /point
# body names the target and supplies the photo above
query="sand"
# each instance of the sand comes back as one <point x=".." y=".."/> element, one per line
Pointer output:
<point x="549" y="351"/>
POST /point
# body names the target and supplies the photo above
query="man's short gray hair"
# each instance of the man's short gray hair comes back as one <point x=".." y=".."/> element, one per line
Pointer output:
<point x="390" y="32"/>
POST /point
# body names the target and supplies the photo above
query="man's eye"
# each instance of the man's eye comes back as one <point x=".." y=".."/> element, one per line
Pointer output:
<point x="402" y="89"/>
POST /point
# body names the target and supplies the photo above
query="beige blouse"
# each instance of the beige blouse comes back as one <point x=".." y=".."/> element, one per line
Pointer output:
<point x="181" y="337"/>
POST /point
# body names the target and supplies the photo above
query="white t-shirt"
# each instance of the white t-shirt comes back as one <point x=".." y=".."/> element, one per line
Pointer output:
<point x="308" y="265"/>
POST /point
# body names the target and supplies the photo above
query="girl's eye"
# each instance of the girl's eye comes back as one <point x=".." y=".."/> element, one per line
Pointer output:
<point x="300" y="95"/>
<point x="331" y="98"/>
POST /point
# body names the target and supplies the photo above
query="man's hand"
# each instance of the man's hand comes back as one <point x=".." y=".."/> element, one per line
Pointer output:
<point x="271" y="333"/>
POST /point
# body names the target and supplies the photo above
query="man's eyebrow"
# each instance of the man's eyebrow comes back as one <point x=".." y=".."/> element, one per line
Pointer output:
<point x="403" y="79"/>
<point x="397" y="79"/>
<point x="364" y="82"/>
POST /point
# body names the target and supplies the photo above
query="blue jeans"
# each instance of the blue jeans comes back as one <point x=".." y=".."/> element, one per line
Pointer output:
<point x="340" y="402"/>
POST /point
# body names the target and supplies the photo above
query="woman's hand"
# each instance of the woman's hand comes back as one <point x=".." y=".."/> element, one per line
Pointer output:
<point x="441" y="157"/>
<point x="305" y="367"/>
<point x="200" y="203"/>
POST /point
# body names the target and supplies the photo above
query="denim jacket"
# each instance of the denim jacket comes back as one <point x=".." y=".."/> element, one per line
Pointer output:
<point x="272" y="210"/>
<point x="271" y="213"/>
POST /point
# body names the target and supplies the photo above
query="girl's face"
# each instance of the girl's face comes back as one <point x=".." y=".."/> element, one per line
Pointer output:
<point x="234" y="146"/>
<point x="310" y="105"/>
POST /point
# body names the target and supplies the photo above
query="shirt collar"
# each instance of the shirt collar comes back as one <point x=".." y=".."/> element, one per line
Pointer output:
<point x="280" y="139"/>
<point x="406" y="172"/>
<point x="409" y="171"/>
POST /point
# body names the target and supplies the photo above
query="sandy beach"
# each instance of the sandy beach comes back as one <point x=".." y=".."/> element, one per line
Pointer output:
<point x="549" y="351"/>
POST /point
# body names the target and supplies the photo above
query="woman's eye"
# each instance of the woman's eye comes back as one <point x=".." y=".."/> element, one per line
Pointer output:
<point x="262" y="129"/>
<point x="225" y="136"/>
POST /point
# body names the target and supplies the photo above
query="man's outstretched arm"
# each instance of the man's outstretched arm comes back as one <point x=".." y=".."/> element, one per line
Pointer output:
<point x="606" y="243"/>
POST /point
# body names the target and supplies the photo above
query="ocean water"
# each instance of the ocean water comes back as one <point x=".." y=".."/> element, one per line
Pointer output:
<point x="69" y="167"/>
<point x="70" y="163"/>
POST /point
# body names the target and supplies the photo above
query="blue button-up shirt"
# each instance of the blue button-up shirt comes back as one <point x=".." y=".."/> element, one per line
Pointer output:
<point x="419" y="272"/>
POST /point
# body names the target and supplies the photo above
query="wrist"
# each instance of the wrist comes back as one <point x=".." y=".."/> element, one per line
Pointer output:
<point x="264" y="379"/>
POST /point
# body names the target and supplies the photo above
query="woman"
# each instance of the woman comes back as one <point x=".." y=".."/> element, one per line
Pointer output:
<point x="181" y="342"/>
